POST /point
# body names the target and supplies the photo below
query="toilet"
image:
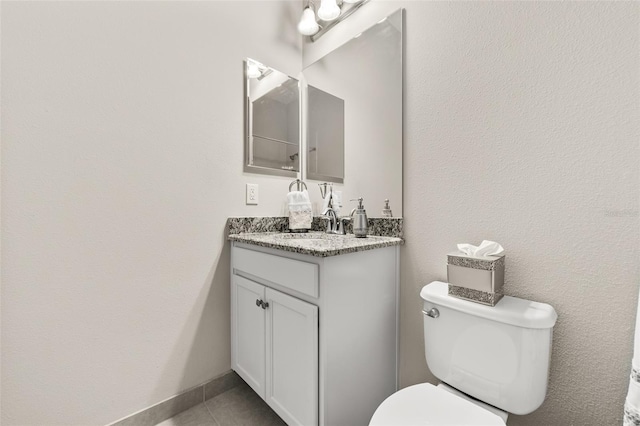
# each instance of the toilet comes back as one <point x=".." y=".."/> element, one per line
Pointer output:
<point x="491" y="361"/>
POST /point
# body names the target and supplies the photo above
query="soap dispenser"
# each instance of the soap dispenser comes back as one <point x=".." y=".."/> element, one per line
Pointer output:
<point x="359" y="221"/>
<point x="386" y="212"/>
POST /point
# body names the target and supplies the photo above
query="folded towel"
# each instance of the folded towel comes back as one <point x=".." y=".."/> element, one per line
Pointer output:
<point x="337" y="201"/>
<point x="300" y="212"/>
<point x="325" y="203"/>
<point x="299" y="200"/>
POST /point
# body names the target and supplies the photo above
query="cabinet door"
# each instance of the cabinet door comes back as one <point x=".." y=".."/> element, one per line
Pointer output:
<point x="248" y="332"/>
<point x="292" y="358"/>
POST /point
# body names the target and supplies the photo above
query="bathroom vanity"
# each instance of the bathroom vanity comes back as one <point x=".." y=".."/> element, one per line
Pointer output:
<point x="314" y="317"/>
<point x="314" y="323"/>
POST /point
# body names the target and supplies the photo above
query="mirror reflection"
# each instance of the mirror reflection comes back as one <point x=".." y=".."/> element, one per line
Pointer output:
<point x="325" y="136"/>
<point x="272" y="110"/>
<point x="362" y="78"/>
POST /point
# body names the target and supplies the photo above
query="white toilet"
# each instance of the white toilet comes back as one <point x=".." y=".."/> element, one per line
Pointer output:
<point x="491" y="360"/>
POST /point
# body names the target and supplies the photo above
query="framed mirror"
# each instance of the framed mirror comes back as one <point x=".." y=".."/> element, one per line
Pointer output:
<point x="356" y="91"/>
<point x="272" y="121"/>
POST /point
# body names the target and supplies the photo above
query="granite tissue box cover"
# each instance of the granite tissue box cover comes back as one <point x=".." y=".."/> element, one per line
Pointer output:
<point x="478" y="279"/>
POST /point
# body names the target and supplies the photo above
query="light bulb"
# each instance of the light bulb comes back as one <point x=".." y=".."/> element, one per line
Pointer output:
<point x="308" y="25"/>
<point x="329" y="10"/>
<point x="253" y="70"/>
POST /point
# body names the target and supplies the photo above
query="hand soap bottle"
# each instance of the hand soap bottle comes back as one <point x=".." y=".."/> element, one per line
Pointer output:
<point x="386" y="212"/>
<point x="359" y="221"/>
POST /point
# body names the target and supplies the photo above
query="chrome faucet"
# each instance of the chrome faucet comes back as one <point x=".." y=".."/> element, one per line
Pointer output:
<point x="335" y="225"/>
<point x="332" y="220"/>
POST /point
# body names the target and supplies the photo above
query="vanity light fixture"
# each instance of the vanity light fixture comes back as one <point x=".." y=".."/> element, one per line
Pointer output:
<point x="253" y="69"/>
<point x="329" y="13"/>
<point x="257" y="70"/>
<point x="329" y="10"/>
<point x="308" y="25"/>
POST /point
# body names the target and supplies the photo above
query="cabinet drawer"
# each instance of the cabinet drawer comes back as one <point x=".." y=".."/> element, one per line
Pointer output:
<point x="294" y="274"/>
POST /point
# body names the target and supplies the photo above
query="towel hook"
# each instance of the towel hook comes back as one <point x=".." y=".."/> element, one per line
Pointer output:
<point x="323" y="189"/>
<point x="299" y="184"/>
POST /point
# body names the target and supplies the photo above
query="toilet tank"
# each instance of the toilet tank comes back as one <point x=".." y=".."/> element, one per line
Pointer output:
<point x="499" y="355"/>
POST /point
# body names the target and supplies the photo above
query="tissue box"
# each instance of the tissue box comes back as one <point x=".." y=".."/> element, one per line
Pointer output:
<point x="478" y="279"/>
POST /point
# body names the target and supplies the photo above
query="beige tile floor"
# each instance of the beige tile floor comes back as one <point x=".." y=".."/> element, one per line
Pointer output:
<point x="239" y="406"/>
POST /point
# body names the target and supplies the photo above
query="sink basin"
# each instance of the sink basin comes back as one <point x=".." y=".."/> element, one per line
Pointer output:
<point x="311" y="243"/>
<point x="307" y="236"/>
<point x="311" y="240"/>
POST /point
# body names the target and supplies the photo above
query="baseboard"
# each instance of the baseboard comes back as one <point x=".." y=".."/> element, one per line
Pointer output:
<point x="181" y="402"/>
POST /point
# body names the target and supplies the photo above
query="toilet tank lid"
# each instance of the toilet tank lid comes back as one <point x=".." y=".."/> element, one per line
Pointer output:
<point x="510" y="310"/>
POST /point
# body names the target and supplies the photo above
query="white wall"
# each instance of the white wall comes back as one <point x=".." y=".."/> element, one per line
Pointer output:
<point x="121" y="160"/>
<point x="122" y="148"/>
<point x="521" y="126"/>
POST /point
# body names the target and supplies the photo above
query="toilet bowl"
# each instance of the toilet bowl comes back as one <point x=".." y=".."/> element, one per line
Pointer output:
<point x="491" y="360"/>
<point x="426" y="404"/>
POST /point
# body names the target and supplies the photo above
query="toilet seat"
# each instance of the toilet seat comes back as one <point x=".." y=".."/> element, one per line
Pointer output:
<point x="425" y="404"/>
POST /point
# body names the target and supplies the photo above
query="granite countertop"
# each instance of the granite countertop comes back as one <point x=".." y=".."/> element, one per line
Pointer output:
<point x="315" y="243"/>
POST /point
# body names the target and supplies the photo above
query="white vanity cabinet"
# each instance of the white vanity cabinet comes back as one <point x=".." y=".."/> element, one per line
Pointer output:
<point x="276" y="349"/>
<point x="316" y="337"/>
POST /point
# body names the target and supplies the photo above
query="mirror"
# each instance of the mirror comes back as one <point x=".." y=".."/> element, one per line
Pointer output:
<point x="325" y="136"/>
<point x="272" y="121"/>
<point x="355" y="91"/>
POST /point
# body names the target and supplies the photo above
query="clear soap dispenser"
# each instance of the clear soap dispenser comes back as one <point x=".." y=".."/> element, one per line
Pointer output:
<point x="359" y="221"/>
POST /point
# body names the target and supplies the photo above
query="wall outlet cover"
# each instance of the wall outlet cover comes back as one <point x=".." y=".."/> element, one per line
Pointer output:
<point x="252" y="193"/>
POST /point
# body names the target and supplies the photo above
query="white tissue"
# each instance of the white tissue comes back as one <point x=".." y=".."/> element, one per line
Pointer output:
<point x="486" y="248"/>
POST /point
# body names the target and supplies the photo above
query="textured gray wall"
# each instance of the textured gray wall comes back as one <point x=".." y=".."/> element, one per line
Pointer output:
<point x="521" y="126"/>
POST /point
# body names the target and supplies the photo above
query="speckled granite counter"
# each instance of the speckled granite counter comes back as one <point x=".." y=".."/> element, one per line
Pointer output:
<point x="378" y="226"/>
<point x="315" y="243"/>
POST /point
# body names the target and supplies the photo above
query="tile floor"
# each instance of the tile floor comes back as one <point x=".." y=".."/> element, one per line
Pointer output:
<point x="239" y="406"/>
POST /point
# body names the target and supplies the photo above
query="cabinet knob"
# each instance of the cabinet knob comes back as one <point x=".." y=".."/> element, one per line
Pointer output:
<point x="265" y="305"/>
<point x="258" y="302"/>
